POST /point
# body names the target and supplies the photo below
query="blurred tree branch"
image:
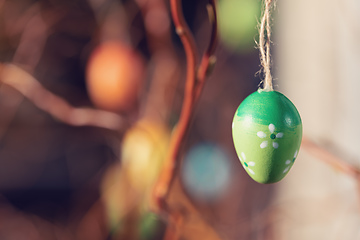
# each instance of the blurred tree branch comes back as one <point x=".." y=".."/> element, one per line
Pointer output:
<point x="57" y="107"/>
<point x="195" y="78"/>
<point x="165" y="63"/>
<point x="329" y="158"/>
<point x="208" y="60"/>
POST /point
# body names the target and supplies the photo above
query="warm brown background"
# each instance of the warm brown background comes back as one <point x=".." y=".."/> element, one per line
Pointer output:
<point x="50" y="173"/>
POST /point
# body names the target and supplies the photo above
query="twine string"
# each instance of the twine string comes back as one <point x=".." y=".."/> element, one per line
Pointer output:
<point x="264" y="45"/>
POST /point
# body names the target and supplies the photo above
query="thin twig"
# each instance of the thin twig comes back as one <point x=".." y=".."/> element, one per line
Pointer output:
<point x="56" y="106"/>
<point x="167" y="174"/>
<point x="34" y="32"/>
<point x="164" y="62"/>
<point x="174" y="230"/>
<point x="193" y="88"/>
<point x="330" y="158"/>
<point x="208" y="60"/>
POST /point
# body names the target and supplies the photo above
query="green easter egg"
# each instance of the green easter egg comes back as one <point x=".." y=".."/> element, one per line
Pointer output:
<point x="267" y="132"/>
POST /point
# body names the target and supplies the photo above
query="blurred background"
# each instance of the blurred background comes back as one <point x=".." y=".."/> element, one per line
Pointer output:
<point x="91" y="90"/>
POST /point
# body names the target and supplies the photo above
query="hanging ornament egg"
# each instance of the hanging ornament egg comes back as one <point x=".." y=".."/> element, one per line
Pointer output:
<point x="267" y="133"/>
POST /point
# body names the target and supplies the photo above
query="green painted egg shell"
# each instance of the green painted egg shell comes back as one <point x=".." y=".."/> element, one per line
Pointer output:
<point x="267" y="133"/>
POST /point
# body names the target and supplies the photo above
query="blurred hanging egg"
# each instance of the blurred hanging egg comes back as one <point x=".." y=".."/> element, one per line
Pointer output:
<point x="237" y="23"/>
<point x="206" y="172"/>
<point x="114" y="75"/>
<point x="144" y="149"/>
<point x="116" y="196"/>
<point x="267" y="132"/>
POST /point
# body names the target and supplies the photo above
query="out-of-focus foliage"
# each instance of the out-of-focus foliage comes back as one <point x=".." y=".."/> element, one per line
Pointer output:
<point x="238" y="20"/>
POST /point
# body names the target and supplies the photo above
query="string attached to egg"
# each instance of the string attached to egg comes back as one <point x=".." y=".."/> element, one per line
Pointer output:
<point x="264" y="45"/>
<point x="267" y="127"/>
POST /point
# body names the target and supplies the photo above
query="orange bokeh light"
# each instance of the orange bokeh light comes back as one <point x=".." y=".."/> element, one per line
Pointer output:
<point x="114" y="75"/>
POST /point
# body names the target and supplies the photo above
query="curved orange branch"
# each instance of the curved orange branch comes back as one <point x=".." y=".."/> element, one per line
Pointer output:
<point x="195" y="79"/>
<point x="167" y="175"/>
<point x="208" y="60"/>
